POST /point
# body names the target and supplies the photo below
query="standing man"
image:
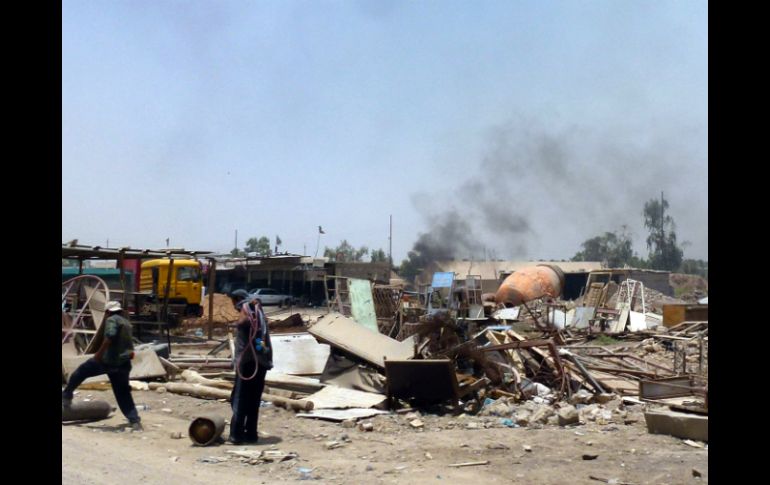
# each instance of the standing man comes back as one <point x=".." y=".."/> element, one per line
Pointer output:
<point x="253" y="358"/>
<point x="114" y="359"/>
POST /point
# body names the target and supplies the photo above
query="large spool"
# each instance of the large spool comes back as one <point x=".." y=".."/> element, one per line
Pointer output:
<point x="205" y="430"/>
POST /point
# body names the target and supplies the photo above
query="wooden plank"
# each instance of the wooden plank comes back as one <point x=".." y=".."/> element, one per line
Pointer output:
<point x="470" y="463"/>
<point x="344" y="333"/>
<point x="293" y="383"/>
<point x="620" y="324"/>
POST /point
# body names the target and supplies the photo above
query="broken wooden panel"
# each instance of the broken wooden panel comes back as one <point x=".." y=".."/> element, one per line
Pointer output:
<point x="345" y="334"/>
<point x="145" y="365"/>
<point x="387" y="300"/>
<point x="677" y="313"/>
<point x="677" y="386"/>
<point x="428" y="381"/>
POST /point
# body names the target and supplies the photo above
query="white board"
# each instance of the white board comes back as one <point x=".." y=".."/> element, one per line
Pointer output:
<point x="637" y="322"/>
<point x="507" y="314"/>
<point x="334" y="397"/>
<point x="341" y="414"/>
<point x="298" y="354"/>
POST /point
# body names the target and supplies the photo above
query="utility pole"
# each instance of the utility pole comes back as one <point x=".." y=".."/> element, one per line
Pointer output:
<point x="236" y="239"/>
<point x="390" y="243"/>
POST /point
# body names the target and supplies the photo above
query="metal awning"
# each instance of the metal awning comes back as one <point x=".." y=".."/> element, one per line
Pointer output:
<point x="98" y="252"/>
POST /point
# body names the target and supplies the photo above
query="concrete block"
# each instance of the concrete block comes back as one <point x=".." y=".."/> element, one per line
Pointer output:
<point x="680" y="425"/>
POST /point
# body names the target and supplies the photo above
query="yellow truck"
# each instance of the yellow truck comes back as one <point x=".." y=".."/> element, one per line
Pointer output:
<point x="185" y="289"/>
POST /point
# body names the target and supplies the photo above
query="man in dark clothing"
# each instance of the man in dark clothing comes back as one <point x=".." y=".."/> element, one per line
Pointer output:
<point x="114" y="359"/>
<point x="253" y="358"/>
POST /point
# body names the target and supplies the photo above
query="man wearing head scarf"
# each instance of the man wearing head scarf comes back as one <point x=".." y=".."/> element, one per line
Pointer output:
<point x="253" y="358"/>
<point x="114" y="359"/>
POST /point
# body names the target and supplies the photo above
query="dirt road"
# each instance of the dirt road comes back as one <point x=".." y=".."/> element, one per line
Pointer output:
<point x="106" y="453"/>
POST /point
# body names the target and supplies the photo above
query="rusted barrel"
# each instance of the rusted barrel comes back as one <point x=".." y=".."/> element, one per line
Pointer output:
<point x="86" y="411"/>
<point x="531" y="283"/>
<point x="204" y="430"/>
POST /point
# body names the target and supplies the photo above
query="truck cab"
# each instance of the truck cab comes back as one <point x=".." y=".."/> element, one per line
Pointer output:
<point x="184" y="287"/>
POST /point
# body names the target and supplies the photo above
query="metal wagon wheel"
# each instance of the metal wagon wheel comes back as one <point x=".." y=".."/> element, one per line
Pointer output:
<point x="83" y="299"/>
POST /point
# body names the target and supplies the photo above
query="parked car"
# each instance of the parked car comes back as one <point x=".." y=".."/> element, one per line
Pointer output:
<point x="269" y="296"/>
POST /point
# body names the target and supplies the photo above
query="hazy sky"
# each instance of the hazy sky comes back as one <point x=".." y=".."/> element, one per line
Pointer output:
<point x="539" y="124"/>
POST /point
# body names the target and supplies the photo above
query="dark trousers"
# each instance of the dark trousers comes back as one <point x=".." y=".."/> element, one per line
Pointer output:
<point x="245" y="398"/>
<point x="118" y="378"/>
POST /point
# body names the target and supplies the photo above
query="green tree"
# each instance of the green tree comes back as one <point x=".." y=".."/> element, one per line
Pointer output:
<point x="346" y="252"/>
<point x="379" y="256"/>
<point x="237" y="253"/>
<point x="695" y="267"/>
<point x="613" y="249"/>
<point x="412" y="266"/>
<point x="260" y="246"/>
<point x="665" y="254"/>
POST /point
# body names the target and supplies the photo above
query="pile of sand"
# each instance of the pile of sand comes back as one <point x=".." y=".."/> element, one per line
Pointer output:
<point x="224" y="312"/>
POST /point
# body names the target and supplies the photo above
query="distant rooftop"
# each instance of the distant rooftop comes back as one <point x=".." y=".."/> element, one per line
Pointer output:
<point x="491" y="270"/>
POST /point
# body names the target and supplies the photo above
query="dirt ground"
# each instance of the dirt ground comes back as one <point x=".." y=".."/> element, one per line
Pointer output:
<point x="105" y="452"/>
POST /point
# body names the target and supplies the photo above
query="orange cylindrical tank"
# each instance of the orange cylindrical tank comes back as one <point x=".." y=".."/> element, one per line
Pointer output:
<point x="530" y="283"/>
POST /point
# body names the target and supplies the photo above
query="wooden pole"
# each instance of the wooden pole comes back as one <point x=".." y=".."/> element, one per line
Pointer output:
<point x="212" y="281"/>
<point x="121" y="259"/>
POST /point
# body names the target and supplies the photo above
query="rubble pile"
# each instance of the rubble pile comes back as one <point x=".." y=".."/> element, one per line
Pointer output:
<point x="453" y="359"/>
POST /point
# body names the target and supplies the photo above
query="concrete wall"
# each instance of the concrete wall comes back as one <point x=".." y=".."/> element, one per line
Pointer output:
<point x="379" y="272"/>
<point x="656" y="281"/>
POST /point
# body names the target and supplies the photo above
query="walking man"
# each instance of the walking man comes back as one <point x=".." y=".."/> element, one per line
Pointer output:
<point x="114" y="359"/>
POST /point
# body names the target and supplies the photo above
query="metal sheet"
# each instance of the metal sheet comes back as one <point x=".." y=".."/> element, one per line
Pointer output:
<point x="362" y="303"/>
<point x="442" y="280"/>
<point x="558" y="319"/>
<point x="298" y="354"/>
<point x="582" y="317"/>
